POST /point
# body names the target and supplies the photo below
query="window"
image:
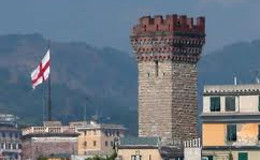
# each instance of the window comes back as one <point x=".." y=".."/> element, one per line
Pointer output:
<point x="85" y="143"/>
<point x="259" y="132"/>
<point x="231" y="132"/>
<point x="106" y="143"/>
<point x="14" y="146"/>
<point x="136" y="157"/>
<point x="11" y="135"/>
<point x="207" y="158"/>
<point x="106" y="133"/>
<point x="94" y="143"/>
<point x="85" y="133"/>
<point x="230" y="103"/>
<point x="8" y="146"/>
<point x="150" y="157"/>
<point x="95" y="132"/>
<point x="242" y="156"/>
<point x="145" y="28"/>
<point x="259" y="103"/>
<point x="214" y="104"/>
<point x="156" y="68"/>
<point x="112" y="143"/>
<point x="16" y="135"/>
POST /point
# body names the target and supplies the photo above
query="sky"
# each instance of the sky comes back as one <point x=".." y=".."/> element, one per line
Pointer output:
<point x="109" y="22"/>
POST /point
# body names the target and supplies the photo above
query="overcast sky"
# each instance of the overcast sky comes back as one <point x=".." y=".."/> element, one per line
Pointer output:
<point x="108" y="22"/>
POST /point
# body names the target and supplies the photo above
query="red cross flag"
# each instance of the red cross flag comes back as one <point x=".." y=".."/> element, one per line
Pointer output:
<point x="42" y="71"/>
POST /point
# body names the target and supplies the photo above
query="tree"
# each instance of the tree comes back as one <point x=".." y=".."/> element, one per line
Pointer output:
<point x="112" y="157"/>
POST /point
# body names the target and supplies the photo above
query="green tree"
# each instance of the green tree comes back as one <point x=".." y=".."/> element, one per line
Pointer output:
<point x="112" y="157"/>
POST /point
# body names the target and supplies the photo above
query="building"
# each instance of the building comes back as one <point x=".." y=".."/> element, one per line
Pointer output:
<point x="96" y="138"/>
<point x="10" y="142"/>
<point x="50" y="140"/>
<point x="231" y="122"/>
<point x="167" y="51"/>
<point x="81" y="139"/>
<point x="147" y="148"/>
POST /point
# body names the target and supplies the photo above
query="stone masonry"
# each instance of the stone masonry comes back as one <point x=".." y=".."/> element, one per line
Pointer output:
<point x="167" y="50"/>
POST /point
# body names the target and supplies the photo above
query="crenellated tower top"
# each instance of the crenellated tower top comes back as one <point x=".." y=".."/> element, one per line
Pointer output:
<point x="174" y="37"/>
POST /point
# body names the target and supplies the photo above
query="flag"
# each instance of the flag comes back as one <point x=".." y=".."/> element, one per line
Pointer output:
<point x="42" y="71"/>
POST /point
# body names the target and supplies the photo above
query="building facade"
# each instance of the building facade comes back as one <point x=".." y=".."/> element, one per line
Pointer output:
<point x="50" y="140"/>
<point x="10" y="138"/>
<point x="167" y="50"/>
<point x="231" y="122"/>
<point x="147" y="148"/>
<point x="96" y="138"/>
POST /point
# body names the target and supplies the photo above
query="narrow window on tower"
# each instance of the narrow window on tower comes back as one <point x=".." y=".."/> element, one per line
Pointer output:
<point x="145" y="28"/>
<point x="156" y="68"/>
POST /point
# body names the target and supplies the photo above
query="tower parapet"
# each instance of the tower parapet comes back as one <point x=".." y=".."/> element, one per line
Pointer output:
<point x="174" y="37"/>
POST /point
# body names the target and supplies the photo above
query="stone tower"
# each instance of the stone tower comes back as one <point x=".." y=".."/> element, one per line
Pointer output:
<point x="167" y="51"/>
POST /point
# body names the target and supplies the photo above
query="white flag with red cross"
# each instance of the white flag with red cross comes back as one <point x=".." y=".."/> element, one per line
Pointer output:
<point x="42" y="71"/>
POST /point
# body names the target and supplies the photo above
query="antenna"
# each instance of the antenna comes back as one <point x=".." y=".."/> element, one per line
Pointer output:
<point x="85" y="110"/>
<point x="235" y="78"/>
<point x="256" y="76"/>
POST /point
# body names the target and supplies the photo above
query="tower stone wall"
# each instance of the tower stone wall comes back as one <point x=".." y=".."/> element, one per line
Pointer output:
<point x="167" y="50"/>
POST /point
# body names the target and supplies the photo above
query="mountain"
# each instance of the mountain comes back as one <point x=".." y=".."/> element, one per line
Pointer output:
<point x="240" y="59"/>
<point x="104" y="80"/>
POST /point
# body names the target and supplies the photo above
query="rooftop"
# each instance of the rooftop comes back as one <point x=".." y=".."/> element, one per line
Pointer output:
<point x="166" y="151"/>
<point x="51" y="123"/>
<point x="242" y="88"/>
<point x="139" y="141"/>
<point x="83" y="125"/>
<point x="30" y="135"/>
<point x="57" y="127"/>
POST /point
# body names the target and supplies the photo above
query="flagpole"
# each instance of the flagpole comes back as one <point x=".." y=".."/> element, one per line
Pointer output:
<point x="49" y="90"/>
<point x="44" y="105"/>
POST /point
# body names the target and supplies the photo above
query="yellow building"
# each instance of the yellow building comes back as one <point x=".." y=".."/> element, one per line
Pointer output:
<point x="147" y="148"/>
<point x="97" y="139"/>
<point x="231" y="122"/>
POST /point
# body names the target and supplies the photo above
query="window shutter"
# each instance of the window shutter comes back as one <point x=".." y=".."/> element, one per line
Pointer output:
<point x="258" y="132"/>
<point x="259" y="103"/>
<point x="215" y="104"/>
<point x="231" y="133"/>
<point x="230" y="103"/>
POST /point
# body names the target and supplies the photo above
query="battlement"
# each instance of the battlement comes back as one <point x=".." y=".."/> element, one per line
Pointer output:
<point x="170" y="23"/>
